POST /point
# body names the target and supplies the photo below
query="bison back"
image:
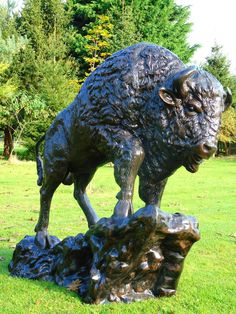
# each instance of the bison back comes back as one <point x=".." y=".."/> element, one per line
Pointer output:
<point x="119" y="89"/>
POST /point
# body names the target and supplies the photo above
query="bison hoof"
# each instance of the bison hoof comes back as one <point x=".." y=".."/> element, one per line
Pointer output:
<point x="123" y="209"/>
<point x="42" y="240"/>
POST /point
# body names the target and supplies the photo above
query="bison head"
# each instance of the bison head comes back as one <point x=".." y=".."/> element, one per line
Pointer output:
<point x="193" y="101"/>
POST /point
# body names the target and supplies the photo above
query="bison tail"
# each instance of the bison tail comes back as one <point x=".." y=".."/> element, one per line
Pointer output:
<point x="39" y="162"/>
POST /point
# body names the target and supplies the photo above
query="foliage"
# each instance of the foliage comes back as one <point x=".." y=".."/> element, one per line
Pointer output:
<point x="84" y="16"/>
<point x="207" y="283"/>
<point x="26" y="109"/>
<point x="218" y="64"/>
<point x="125" y="31"/>
<point x="98" y="42"/>
<point x="10" y="45"/>
<point x="47" y="68"/>
<point x="18" y="112"/>
<point x="7" y="92"/>
<point x="161" y="22"/>
<point x="228" y="126"/>
<point x="7" y="19"/>
<point x="7" y="89"/>
<point x="40" y="65"/>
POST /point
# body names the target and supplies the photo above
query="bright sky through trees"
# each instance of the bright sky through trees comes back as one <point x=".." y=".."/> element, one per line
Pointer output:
<point x="213" y="22"/>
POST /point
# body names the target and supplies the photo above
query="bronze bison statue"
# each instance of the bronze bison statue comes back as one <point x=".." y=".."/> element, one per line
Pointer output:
<point x="141" y="109"/>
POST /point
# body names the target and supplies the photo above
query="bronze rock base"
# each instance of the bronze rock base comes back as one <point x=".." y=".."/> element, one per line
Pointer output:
<point x="117" y="260"/>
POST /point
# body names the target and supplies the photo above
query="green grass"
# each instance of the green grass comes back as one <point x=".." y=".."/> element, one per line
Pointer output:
<point x="208" y="281"/>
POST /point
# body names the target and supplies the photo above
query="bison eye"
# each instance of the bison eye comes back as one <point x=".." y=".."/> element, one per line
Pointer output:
<point x="191" y="110"/>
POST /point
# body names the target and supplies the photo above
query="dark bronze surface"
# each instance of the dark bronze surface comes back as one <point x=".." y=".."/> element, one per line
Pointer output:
<point x="118" y="259"/>
<point x="149" y="114"/>
<point x="143" y="110"/>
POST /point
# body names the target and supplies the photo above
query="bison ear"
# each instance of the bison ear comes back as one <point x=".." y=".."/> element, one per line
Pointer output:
<point x="167" y="96"/>
<point x="227" y="99"/>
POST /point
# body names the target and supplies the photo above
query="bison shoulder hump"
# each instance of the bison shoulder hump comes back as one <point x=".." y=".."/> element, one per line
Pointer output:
<point x="121" y="78"/>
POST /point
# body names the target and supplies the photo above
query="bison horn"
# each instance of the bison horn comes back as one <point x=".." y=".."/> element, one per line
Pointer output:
<point x="228" y="98"/>
<point x="179" y="82"/>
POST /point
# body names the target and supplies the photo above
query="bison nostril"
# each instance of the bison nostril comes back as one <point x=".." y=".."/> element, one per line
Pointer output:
<point x="207" y="150"/>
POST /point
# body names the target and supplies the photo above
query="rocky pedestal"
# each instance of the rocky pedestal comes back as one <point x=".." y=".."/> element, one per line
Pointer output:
<point x="118" y="259"/>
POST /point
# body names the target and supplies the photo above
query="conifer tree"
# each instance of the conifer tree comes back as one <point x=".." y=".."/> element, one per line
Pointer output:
<point x="218" y="64"/>
<point x="42" y="68"/>
<point x="125" y="32"/>
<point x="158" y="21"/>
<point x="45" y="22"/>
<point x="45" y="67"/>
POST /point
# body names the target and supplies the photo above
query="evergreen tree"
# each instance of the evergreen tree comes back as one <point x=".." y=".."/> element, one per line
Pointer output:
<point x="84" y="16"/>
<point x="158" y="21"/>
<point x="161" y="22"/>
<point x="17" y="109"/>
<point x="45" y="22"/>
<point x="125" y="32"/>
<point x="218" y="64"/>
<point x="45" y="67"/>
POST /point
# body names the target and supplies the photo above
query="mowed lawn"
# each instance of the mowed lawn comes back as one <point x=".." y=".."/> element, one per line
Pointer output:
<point x="208" y="281"/>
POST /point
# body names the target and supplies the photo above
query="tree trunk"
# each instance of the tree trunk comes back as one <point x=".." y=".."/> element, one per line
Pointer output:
<point x="226" y="147"/>
<point x="8" y="142"/>
<point x="218" y="149"/>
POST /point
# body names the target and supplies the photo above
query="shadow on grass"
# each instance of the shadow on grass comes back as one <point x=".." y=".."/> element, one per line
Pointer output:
<point x="5" y="258"/>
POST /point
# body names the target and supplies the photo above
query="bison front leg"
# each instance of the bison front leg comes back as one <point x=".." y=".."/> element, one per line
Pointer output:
<point x="127" y="154"/>
<point x="80" y="184"/>
<point x="128" y="159"/>
<point x="151" y="191"/>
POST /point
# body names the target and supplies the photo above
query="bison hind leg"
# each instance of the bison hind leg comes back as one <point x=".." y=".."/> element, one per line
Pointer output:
<point x="53" y="177"/>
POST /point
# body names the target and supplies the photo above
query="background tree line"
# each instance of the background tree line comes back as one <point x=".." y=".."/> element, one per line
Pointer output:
<point x="49" y="48"/>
